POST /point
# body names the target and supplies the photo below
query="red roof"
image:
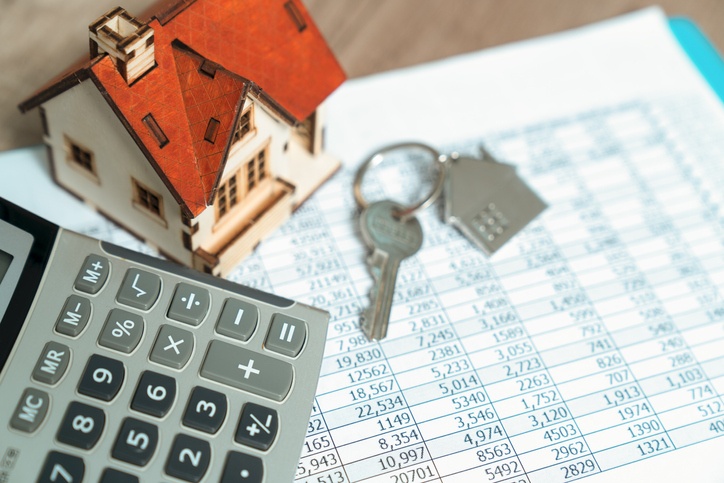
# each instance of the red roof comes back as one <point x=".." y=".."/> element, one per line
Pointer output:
<point x="264" y="45"/>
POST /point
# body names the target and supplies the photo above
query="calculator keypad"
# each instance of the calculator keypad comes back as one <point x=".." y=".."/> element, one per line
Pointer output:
<point x="161" y="326"/>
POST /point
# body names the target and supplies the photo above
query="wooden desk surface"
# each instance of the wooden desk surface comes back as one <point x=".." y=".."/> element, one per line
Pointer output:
<point x="40" y="38"/>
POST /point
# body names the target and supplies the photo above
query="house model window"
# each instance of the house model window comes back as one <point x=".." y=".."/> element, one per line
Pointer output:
<point x="232" y="190"/>
<point x="147" y="199"/>
<point x="244" y="126"/>
<point x="80" y="156"/>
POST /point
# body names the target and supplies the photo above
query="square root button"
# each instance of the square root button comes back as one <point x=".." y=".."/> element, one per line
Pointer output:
<point x="286" y="335"/>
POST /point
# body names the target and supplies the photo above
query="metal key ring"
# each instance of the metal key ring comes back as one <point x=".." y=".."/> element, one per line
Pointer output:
<point x="407" y="212"/>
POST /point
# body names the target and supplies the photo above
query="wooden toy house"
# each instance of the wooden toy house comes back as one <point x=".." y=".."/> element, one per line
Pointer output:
<point x="197" y="127"/>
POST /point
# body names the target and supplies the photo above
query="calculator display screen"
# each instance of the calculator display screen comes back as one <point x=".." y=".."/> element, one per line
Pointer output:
<point x="5" y="260"/>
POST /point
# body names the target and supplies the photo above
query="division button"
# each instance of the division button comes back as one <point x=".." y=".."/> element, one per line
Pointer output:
<point x="257" y="427"/>
<point x="136" y="442"/>
<point x="286" y="335"/>
<point x="111" y="475"/>
<point x="139" y="289"/>
<point x="189" y="458"/>
<point x="93" y="274"/>
<point x="74" y="316"/>
<point x="238" y="319"/>
<point x="60" y="467"/>
<point x="206" y="410"/>
<point x="155" y="394"/>
<point x="82" y="425"/>
<point x="242" y="467"/>
<point x="247" y="370"/>
<point x="52" y="363"/>
<point x="102" y="378"/>
<point x="173" y="347"/>
<point x="122" y="331"/>
<point x="31" y="410"/>
<point x="189" y="304"/>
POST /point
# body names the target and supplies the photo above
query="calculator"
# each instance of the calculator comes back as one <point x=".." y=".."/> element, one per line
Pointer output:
<point x="119" y="367"/>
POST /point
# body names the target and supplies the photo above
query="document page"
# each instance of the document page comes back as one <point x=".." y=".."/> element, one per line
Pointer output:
<point x="591" y="346"/>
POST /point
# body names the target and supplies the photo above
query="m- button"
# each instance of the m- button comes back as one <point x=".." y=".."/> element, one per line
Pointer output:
<point x="93" y="274"/>
<point x="286" y="335"/>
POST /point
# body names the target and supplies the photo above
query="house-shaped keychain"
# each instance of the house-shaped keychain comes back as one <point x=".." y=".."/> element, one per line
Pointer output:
<point x="198" y="126"/>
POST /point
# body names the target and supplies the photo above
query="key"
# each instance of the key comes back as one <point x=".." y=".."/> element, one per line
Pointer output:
<point x="391" y="241"/>
<point x="487" y="201"/>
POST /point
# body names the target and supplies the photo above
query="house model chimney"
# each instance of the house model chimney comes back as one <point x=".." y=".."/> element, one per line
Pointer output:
<point x="128" y="42"/>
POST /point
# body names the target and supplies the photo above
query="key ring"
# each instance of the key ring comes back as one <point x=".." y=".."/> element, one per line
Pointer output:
<point x="407" y="212"/>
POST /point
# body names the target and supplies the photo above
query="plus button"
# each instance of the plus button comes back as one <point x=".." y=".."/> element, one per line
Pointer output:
<point x="248" y="369"/>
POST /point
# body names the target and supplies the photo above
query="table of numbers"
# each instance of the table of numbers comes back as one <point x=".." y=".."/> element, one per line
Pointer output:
<point x="593" y="340"/>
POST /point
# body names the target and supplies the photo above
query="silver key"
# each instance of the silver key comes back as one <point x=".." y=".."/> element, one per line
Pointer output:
<point x="487" y="201"/>
<point x="391" y="241"/>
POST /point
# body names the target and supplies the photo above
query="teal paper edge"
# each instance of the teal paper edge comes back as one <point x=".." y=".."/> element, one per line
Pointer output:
<point x="701" y="52"/>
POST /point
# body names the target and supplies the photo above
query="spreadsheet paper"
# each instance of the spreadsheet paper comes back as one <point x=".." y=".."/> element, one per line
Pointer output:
<point x="591" y="346"/>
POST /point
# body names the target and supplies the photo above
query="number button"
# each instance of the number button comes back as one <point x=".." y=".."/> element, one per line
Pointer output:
<point x="242" y="467"/>
<point x="155" y="394"/>
<point x="82" y="426"/>
<point x="136" y="442"/>
<point x="206" y="410"/>
<point x="189" y="458"/>
<point x="102" y="378"/>
<point x="61" y="468"/>
<point x="114" y="476"/>
<point x="257" y="426"/>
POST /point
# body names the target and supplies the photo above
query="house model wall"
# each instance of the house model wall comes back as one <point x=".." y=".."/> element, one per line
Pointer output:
<point x="198" y="129"/>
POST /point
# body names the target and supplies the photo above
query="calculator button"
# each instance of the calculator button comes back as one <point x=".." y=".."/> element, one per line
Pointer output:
<point x="244" y="369"/>
<point x="122" y="331"/>
<point x="286" y="335"/>
<point x="102" y="378"/>
<point x="189" y="458"/>
<point x="206" y="410"/>
<point x="31" y="410"/>
<point x="155" y="394"/>
<point x="238" y="319"/>
<point x="114" y="476"/>
<point x="189" y="304"/>
<point x="242" y="467"/>
<point x="82" y="426"/>
<point x="52" y="363"/>
<point x="136" y="442"/>
<point x="61" y="467"/>
<point x="93" y="274"/>
<point x="173" y="347"/>
<point x="257" y="426"/>
<point x="74" y="316"/>
<point x="139" y="289"/>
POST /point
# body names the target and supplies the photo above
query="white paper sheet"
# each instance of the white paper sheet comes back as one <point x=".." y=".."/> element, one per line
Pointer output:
<point x="591" y="346"/>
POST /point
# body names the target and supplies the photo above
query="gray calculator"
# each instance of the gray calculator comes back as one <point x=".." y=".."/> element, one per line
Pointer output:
<point x="117" y="367"/>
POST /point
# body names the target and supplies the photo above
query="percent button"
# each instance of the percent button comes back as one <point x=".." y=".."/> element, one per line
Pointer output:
<point x="122" y="332"/>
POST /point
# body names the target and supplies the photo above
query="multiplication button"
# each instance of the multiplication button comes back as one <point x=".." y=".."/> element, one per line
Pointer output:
<point x="189" y="304"/>
<point x="93" y="274"/>
<point x="173" y="347"/>
<point x="139" y="289"/>
<point x="122" y="332"/>
<point x="247" y="370"/>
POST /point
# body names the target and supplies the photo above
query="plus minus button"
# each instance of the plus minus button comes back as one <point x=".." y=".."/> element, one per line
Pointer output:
<point x="248" y="369"/>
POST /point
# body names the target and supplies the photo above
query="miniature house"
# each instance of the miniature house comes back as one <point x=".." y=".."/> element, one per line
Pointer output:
<point x="199" y="129"/>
